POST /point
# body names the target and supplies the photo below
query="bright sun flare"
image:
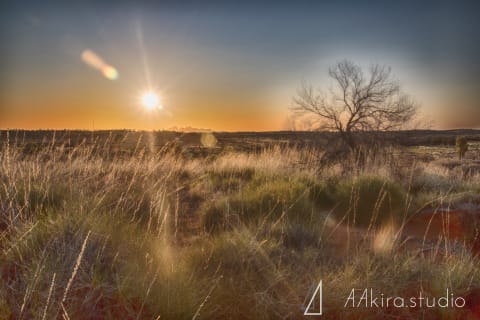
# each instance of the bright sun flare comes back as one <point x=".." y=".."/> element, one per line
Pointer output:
<point x="150" y="101"/>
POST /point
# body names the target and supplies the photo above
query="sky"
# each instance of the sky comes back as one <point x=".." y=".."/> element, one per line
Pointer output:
<point x="225" y="65"/>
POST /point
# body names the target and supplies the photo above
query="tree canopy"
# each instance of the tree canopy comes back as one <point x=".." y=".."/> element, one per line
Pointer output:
<point x="357" y="102"/>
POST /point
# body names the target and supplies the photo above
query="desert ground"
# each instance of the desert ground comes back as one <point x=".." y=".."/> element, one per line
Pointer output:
<point x="169" y="225"/>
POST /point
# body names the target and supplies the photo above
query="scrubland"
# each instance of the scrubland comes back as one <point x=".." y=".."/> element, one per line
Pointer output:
<point x="89" y="233"/>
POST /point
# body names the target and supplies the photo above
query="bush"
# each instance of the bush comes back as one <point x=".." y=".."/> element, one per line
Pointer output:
<point x="462" y="146"/>
<point x="37" y="197"/>
<point x="231" y="179"/>
<point x="369" y="200"/>
<point x="265" y="199"/>
<point x="432" y="182"/>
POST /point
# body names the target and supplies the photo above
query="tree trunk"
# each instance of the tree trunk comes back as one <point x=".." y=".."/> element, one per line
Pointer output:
<point x="347" y="137"/>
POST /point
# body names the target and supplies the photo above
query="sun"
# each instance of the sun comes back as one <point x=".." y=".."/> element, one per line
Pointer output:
<point x="150" y="101"/>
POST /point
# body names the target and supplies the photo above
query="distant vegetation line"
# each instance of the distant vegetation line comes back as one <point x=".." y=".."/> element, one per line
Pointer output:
<point x="159" y="138"/>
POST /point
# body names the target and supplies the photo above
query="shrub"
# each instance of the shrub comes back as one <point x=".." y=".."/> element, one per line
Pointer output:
<point x="265" y="199"/>
<point x="462" y="146"/>
<point x="37" y="197"/>
<point x="433" y="182"/>
<point x="369" y="200"/>
<point x="230" y="179"/>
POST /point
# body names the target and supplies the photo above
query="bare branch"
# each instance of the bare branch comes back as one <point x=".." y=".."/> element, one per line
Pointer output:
<point x="359" y="102"/>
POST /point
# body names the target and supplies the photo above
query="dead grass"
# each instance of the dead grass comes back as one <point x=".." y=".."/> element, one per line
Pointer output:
<point x="237" y="235"/>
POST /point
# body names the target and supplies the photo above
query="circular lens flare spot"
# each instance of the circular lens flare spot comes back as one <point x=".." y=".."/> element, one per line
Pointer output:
<point x="110" y="72"/>
<point x="150" y="101"/>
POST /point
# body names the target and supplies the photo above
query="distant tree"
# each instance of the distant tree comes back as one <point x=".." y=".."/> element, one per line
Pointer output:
<point x="461" y="146"/>
<point x="358" y="102"/>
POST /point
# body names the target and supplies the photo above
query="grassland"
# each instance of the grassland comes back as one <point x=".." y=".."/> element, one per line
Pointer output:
<point x="128" y="226"/>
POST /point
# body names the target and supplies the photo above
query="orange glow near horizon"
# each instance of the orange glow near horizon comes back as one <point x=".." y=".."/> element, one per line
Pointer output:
<point x="102" y="114"/>
<point x="109" y="109"/>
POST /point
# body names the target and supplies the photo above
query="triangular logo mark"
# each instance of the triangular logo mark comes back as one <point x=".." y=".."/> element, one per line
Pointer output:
<point x="315" y="305"/>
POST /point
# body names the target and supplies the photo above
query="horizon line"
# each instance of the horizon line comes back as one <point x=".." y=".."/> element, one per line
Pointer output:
<point x="200" y="130"/>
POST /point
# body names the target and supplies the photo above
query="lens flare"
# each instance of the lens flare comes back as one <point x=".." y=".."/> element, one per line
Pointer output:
<point x="208" y="140"/>
<point x="95" y="61"/>
<point x="110" y="72"/>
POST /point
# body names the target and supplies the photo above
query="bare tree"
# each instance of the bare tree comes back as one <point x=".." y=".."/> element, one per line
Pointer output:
<point x="357" y="102"/>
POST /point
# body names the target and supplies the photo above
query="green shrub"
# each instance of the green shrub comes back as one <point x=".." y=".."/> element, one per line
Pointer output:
<point x="461" y="146"/>
<point x="215" y="216"/>
<point x="369" y="200"/>
<point x="265" y="199"/>
<point x="231" y="179"/>
<point x="38" y="198"/>
<point x="297" y="236"/>
<point x="433" y="182"/>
